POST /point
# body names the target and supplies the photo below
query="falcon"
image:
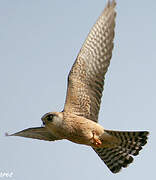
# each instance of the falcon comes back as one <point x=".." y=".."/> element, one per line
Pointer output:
<point x="78" y="122"/>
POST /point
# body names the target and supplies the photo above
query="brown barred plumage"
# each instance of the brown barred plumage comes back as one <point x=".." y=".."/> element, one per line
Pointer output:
<point x="120" y="155"/>
<point x="78" y="122"/>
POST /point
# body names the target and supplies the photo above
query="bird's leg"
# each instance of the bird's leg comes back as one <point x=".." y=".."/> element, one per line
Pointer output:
<point x="96" y="141"/>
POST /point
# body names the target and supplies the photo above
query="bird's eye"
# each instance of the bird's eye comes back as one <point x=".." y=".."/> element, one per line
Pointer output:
<point x="50" y="117"/>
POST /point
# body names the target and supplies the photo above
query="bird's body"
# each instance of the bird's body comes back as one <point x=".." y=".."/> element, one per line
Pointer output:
<point x="74" y="128"/>
<point x="78" y="122"/>
<point x="79" y="130"/>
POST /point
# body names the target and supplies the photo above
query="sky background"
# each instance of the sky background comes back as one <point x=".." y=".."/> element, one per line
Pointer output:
<point x="39" y="41"/>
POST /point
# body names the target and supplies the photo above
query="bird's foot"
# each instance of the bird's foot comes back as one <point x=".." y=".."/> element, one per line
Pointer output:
<point x="96" y="142"/>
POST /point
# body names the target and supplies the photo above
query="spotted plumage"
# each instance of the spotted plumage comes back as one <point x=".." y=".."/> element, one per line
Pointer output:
<point x="78" y="122"/>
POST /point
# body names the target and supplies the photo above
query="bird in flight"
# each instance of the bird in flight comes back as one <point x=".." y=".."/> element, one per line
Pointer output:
<point x="78" y="122"/>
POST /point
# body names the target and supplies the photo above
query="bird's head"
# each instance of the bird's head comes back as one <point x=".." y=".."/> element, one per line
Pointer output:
<point x="52" y="119"/>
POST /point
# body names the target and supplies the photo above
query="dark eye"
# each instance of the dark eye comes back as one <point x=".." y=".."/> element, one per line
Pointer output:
<point x="50" y="117"/>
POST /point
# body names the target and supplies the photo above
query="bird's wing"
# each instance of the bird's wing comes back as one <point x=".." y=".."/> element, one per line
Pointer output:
<point x="86" y="78"/>
<point x="36" y="133"/>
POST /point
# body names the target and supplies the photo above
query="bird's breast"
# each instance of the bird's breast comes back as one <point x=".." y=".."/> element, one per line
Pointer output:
<point x="80" y="130"/>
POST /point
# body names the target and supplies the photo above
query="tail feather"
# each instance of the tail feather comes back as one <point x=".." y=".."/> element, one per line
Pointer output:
<point x="130" y="143"/>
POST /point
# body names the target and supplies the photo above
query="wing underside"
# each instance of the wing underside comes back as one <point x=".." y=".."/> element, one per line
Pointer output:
<point x="35" y="133"/>
<point x="86" y="78"/>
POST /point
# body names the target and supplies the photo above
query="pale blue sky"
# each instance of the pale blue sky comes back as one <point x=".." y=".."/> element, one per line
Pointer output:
<point x="39" y="41"/>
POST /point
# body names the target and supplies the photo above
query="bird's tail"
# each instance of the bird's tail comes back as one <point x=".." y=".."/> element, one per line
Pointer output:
<point x="118" y="156"/>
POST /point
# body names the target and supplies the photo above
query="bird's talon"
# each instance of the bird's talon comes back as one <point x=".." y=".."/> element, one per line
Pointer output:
<point x="96" y="141"/>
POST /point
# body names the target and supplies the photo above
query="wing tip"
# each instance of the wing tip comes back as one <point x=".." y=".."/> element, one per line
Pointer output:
<point x="7" y="134"/>
<point x="110" y="7"/>
<point x="111" y="3"/>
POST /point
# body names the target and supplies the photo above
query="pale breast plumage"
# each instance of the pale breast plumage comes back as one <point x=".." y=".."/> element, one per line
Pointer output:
<point x="85" y="87"/>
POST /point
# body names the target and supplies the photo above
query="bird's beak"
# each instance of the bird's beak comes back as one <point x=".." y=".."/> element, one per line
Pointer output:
<point x="43" y="122"/>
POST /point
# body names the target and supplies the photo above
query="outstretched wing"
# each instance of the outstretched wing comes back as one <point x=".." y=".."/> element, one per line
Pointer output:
<point x="86" y="78"/>
<point x="36" y="133"/>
